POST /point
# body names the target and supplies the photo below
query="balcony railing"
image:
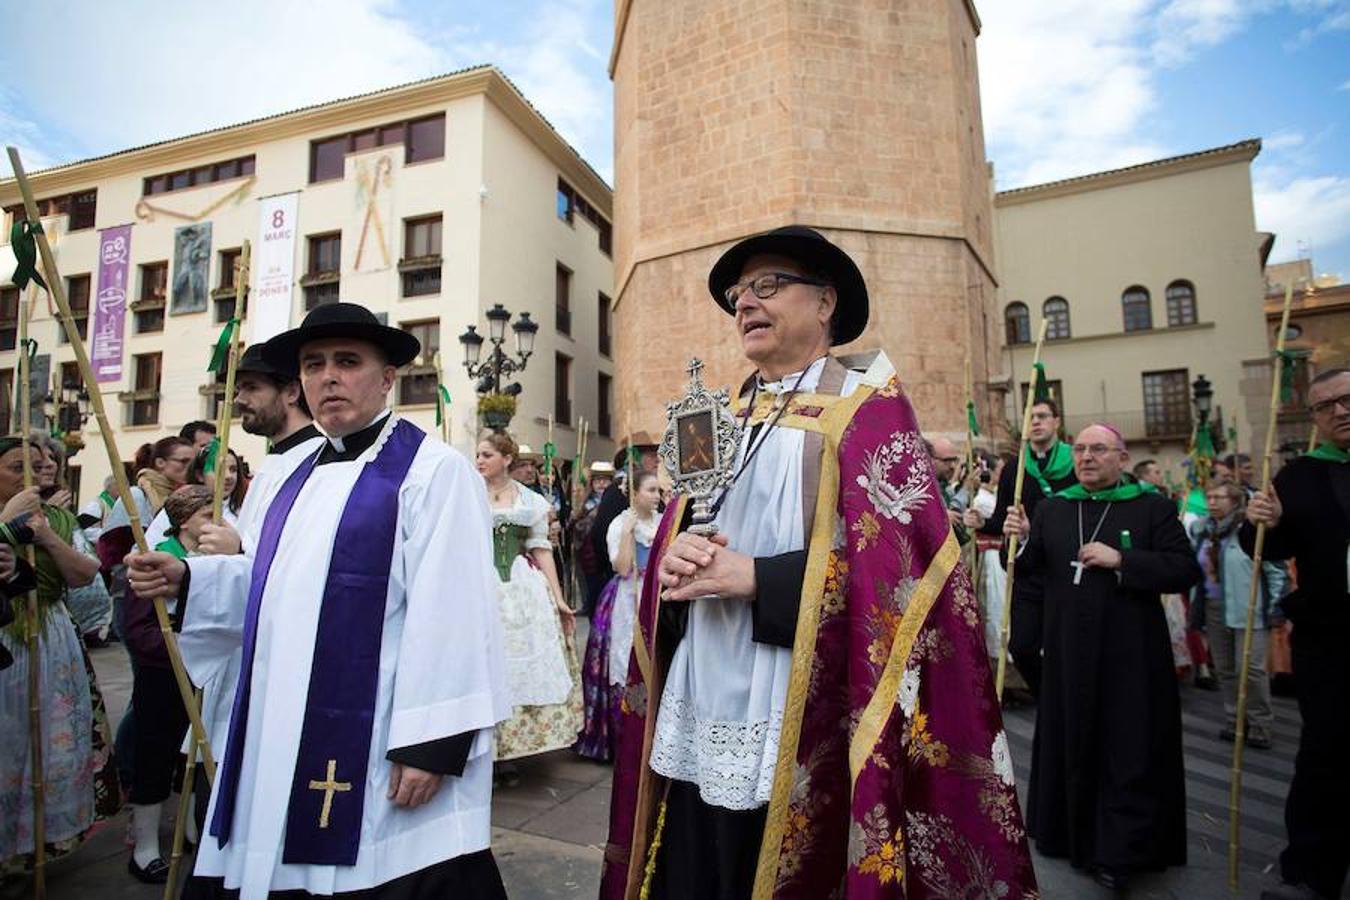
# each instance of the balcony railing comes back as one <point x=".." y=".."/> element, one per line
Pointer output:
<point x="1137" y="424"/>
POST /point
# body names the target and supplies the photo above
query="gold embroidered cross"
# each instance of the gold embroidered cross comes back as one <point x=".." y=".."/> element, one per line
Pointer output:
<point x="329" y="787"/>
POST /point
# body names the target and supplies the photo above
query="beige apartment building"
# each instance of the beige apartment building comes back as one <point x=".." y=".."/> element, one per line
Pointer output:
<point x="430" y="203"/>
<point x="1149" y="277"/>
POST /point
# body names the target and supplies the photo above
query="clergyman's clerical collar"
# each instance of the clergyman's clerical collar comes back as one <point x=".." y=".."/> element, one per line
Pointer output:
<point x="807" y="377"/>
<point x="348" y="448"/>
<point x="295" y="439"/>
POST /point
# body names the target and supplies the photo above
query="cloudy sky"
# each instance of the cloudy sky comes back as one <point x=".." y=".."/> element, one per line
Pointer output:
<point x="1069" y="86"/>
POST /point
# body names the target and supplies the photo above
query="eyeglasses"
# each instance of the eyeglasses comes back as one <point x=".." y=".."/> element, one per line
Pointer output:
<point x="948" y="459"/>
<point x="1326" y="406"/>
<point x="765" y="286"/>
<point x="1093" y="449"/>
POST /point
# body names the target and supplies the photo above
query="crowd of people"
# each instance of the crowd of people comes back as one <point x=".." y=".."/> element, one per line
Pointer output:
<point x="1127" y="586"/>
<point x="796" y="694"/>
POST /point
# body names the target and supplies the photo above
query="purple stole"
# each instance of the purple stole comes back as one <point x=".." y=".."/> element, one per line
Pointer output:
<point x="323" y="818"/>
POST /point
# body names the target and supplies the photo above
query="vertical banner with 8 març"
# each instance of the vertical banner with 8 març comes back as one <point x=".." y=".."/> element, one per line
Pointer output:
<point x="274" y="267"/>
<point x="110" y="308"/>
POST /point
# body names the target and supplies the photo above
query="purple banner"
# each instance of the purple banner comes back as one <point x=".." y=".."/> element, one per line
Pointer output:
<point x="110" y="309"/>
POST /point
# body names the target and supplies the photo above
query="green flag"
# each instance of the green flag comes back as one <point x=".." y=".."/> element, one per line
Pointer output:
<point x="1286" y="363"/>
<point x="1040" y="391"/>
<point x="1204" y="441"/>
<point x="220" y="353"/>
<point x="442" y="403"/>
<point x="971" y="422"/>
<point x="23" y="238"/>
<point x="212" y="452"/>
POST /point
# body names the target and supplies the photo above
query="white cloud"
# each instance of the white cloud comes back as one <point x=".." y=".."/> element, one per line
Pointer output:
<point x="1312" y="209"/>
<point x="157" y="69"/>
<point x="1344" y="87"/>
<point x="1066" y="87"/>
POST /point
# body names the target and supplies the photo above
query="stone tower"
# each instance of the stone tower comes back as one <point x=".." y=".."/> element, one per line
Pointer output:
<point x="860" y="118"/>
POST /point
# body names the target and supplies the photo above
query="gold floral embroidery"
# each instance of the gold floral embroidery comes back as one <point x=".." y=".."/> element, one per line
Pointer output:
<point x="891" y="388"/>
<point x="874" y="849"/>
<point x="804" y="806"/>
<point x="835" y="595"/>
<point x="922" y="744"/>
<point x="868" y="528"/>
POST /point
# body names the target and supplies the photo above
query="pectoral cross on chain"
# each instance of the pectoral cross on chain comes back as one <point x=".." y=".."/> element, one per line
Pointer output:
<point x="330" y="786"/>
<point x="1078" y="566"/>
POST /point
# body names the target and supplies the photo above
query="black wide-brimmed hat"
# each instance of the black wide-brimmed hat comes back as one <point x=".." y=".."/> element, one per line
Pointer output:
<point x="341" y="320"/>
<point x="252" y="361"/>
<point x="812" y="250"/>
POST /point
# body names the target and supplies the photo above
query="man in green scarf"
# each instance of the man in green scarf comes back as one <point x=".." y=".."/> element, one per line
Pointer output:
<point x="1049" y="469"/>
<point x="1307" y="517"/>
<point x="1107" y="782"/>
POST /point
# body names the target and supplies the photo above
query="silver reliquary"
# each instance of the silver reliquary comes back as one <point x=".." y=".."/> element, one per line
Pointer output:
<point x="699" y="446"/>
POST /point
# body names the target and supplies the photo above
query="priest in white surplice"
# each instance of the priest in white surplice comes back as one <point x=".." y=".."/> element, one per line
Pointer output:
<point x="358" y="761"/>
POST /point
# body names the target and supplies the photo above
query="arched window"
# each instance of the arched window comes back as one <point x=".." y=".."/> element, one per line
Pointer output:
<point x="1137" y="308"/>
<point x="1017" y="323"/>
<point x="1180" y="303"/>
<point x="1056" y="313"/>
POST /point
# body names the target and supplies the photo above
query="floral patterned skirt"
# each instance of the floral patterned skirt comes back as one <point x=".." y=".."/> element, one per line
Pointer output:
<point x="541" y="662"/>
<point x="80" y="779"/>
<point x="600" y="733"/>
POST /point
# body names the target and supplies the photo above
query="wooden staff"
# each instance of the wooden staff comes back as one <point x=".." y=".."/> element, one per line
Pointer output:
<point x="231" y="367"/>
<point x="1312" y="439"/>
<point x="34" y="620"/>
<point x="1015" y="538"/>
<point x="1235" y="788"/>
<point x="56" y="289"/>
<point x="972" y="480"/>
<point x="184" y="810"/>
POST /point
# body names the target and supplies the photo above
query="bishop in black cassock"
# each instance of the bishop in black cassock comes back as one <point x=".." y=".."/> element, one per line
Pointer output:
<point x="1107" y="781"/>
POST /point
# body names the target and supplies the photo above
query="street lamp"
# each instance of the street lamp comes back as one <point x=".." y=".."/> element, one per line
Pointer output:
<point x="498" y="363"/>
<point x="1202" y="393"/>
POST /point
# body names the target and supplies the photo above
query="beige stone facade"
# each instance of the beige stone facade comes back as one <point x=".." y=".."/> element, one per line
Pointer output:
<point x="505" y="229"/>
<point x="1159" y="267"/>
<point x="861" y="119"/>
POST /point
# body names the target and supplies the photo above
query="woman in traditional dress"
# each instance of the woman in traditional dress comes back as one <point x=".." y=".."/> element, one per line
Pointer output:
<point x="70" y="760"/>
<point x="605" y="672"/>
<point x="541" y="667"/>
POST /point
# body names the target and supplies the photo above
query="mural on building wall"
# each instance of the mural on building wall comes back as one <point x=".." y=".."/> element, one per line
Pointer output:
<point x="371" y="222"/>
<point x="191" y="268"/>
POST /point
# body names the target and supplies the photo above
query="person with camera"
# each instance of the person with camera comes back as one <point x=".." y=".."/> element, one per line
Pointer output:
<point x="71" y="765"/>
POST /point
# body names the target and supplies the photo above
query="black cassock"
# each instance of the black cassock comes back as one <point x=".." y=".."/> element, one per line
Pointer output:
<point x="1107" y="780"/>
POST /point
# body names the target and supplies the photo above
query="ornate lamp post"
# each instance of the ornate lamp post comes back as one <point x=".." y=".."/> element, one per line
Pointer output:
<point x="499" y="363"/>
<point x="66" y="412"/>
<point x="1202" y="396"/>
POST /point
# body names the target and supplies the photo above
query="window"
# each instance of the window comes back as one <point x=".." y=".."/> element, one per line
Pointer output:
<point x="1056" y="313"/>
<point x="422" y="237"/>
<point x="9" y="319"/>
<point x="80" y="207"/>
<point x="417" y="381"/>
<point x="421" y="265"/>
<point x="1137" y="309"/>
<point x="1017" y="324"/>
<point x="1180" y="304"/>
<point x="562" y="389"/>
<point x="602" y="393"/>
<point x="6" y="400"/>
<point x="145" y="394"/>
<point x="149" y="306"/>
<point x="426" y="139"/>
<point x="568" y="203"/>
<point x="602" y="325"/>
<point x="1300" y="364"/>
<point x="325" y="266"/>
<point x="223" y="295"/>
<point x="562" y="293"/>
<point x="326" y="158"/>
<point x="1167" y="403"/>
<point x="77" y="293"/>
<point x="210" y="173"/>
<point x="423" y="139"/>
